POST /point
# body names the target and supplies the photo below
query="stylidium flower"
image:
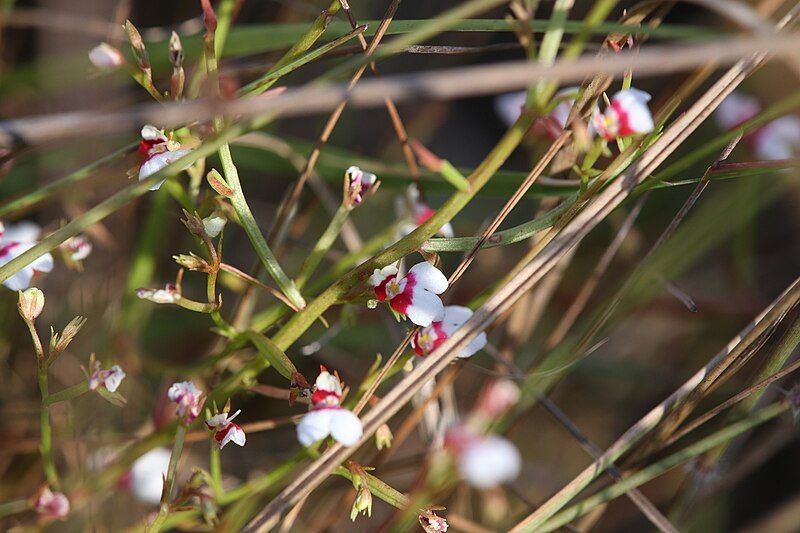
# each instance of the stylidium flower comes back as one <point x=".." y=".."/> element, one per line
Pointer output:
<point x="146" y="476"/>
<point x="225" y="430"/>
<point x="188" y="399"/>
<point x="77" y="248"/>
<point x="358" y="183"/>
<point x="110" y="379"/>
<point x="779" y="139"/>
<point x="509" y="107"/>
<point x="627" y="115"/>
<point x="736" y="109"/>
<point x="484" y="461"/>
<point x="50" y="504"/>
<point x="415" y="295"/>
<point x="105" y="56"/>
<point x="168" y="295"/>
<point x="326" y="417"/>
<point x="158" y="151"/>
<point x="16" y="239"/>
<point x="415" y="212"/>
<point x="429" y="338"/>
<point x="432" y="523"/>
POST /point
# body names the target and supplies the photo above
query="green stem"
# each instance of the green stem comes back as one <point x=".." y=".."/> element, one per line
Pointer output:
<point x="46" y="439"/>
<point x="13" y="507"/>
<point x="216" y="469"/>
<point x="323" y="245"/>
<point x="174" y="459"/>
<point x="656" y="469"/>
<point x="67" y="394"/>
<point x="198" y="307"/>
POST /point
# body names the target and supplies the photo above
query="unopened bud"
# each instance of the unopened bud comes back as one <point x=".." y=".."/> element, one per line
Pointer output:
<point x="363" y="503"/>
<point x="194" y="224"/>
<point x="497" y="398"/>
<point x="213" y="225"/>
<point x="59" y="342"/>
<point x="191" y="262"/>
<point x="31" y="303"/>
<point x="105" y="56"/>
<point x="218" y="183"/>
<point x="137" y="44"/>
<point x="50" y="504"/>
<point x="175" y="50"/>
<point x="383" y="437"/>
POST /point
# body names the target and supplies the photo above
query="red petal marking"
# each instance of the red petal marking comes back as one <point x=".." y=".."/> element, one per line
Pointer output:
<point x="624" y="120"/>
<point x="145" y="146"/>
<point x="380" y="290"/>
<point x="415" y="344"/>
<point x="4" y="249"/>
<point x="424" y="214"/>
<point x="402" y="301"/>
<point x="219" y="436"/>
<point x="320" y="396"/>
<point x="441" y="335"/>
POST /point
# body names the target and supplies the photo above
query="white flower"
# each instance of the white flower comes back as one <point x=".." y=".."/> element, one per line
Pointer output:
<point x="780" y="139"/>
<point x="415" y="212"/>
<point x="51" y="504"/>
<point x="359" y="183"/>
<point x="326" y="417"/>
<point x="159" y="151"/>
<point x="225" y="430"/>
<point x="509" y="106"/>
<point x="147" y="475"/>
<point x="105" y="56"/>
<point x="110" y="379"/>
<point x="168" y="295"/>
<point x="78" y="247"/>
<point x="415" y="295"/>
<point x="497" y="398"/>
<point x="489" y="461"/>
<point x="188" y="398"/>
<point x="627" y="115"/>
<point x="735" y="109"/>
<point x="16" y="239"/>
<point x="428" y="339"/>
<point x="214" y="225"/>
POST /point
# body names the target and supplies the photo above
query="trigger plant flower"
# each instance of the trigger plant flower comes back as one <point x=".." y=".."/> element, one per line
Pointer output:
<point x="779" y="139"/>
<point x="225" y="430"/>
<point x="16" y="239"/>
<point x="326" y="417"/>
<point x="159" y="151"/>
<point x="145" y="479"/>
<point x="429" y="338"/>
<point x="627" y="115"/>
<point x="50" y="504"/>
<point x="484" y="461"/>
<point x="110" y="379"/>
<point x="77" y="248"/>
<point x="414" y="212"/>
<point x="509" y="108"/>
<point x="188" y="398"/>
<point x="168" y="295"/>
<point x="358" y="184"/>
<point x="416" y="295"/>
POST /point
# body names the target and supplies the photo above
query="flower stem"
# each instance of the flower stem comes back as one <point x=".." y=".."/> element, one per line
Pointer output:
<point x="216" y="470"/>
<point x="174" y="459"/>
<point x="323" y="245"/>
<point x="13" y="507"/>
<point x="68" y="394"/>
<point x="46" y="444"/>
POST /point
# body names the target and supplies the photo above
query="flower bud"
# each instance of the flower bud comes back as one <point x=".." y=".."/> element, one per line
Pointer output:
<point x="432" y="523"/>
<point x="383" y="437"/>
<point x="175" y="50"/>
<point x="31" y="303"/>
<point x="50" y="504"/>
<point x="363" y="503"/>
<point x="357" y="185"/>
<point x="214" y="225"/>
<point x="137" y="44"/>
<point x="59" y="342"/>
<point x="105" y="56"/>
<point x="191" y="262"/>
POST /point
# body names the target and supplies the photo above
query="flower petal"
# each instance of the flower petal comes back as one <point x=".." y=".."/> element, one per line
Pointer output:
<point x="25" y="232"/>
<point x="156" y="163"/>
<point x="314" y="426"/>
<point x="424" y="308"/>
<point x="429" y="277"/>
<point x="345" y="427"/>
<point x="378" y="276"/>
<point x="489" y="461"/>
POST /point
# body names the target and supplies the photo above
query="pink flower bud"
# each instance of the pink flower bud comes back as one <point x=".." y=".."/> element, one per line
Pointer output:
<point x="31" y="303"/>
<point x="51" y="504"/>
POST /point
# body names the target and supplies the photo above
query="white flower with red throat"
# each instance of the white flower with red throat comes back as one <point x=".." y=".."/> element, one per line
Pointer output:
<point x="188" y="398"/>
<point x="415" y="212"/>
<point x="415" y="295"/>
<point x="358" y="184"/>
<point x="779" y="139"/>
<point x="16" y="239"/>
<point x="77" y="248"/>
<point x="326" y="417"/>
<point x="484" y="461"/>
<point x="50" y="504"/>
<point x="145" y="479"/>
<point x="225" y="430"/>
<point x="428" y="339"/>
<point x="509" y="107"/>
<point x="110" y="379"/>
<point x="158" y="151"/>
<point x="627" y="115"/>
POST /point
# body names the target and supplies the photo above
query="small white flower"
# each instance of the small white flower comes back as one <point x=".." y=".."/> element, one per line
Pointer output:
<point x="359" y="183"/>
<point x="78" y="247"/>
<point x="147" y="475"/>
<point x="780" y="139"/>
<point x="214" y="225"/>
<point x="736" y="109"/>
<point x="428" y="339"/>
<point x="627" y="115"/>
<point x="159" y="151"/>
<point x="168" y="295"/>
<point x="225" y="430"/>
<point x="509" y="106"/>
<point x="188" y="398"/>
<point x="16" y="239"/>
<point x="497" y="398"/>
<point x="326" y="417"/>
<point x="415" y="295"/>
<point x="105" y="56"/>
<point x="110" y="379"/>
<point x="415" y="212"/>
<point x="489" y="461"/>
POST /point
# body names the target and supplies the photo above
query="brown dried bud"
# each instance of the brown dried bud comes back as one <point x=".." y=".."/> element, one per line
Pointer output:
<point x="137" y="44"/>
<point x="59" y="342"/>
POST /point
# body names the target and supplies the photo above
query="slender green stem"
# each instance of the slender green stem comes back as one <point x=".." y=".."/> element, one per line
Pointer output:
<point x="323" y="245"/>
<point x="13" y="507"/>
<point x="174" y="460"/>
<point x="216" y="469"/>
<point x="656" y="469"/>
<point x="67" y="394"/>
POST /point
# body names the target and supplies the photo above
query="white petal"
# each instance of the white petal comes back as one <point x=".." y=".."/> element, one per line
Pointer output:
<point x="146" y="475"/>
<point x="237" y="436"/>
<point x="429" y="277"/>
<point x="425" y="307"/>
<point x="25" y="232"/>
<point x="43" y="263"/>
<point x="489" y="461"/>
<point x="454" y="317"/>
<point x="780" y="139"/>
<point x="735" y="109"/>
<point x="328" y="382"/>
<point x="158" y="162"/>
<point x="314" y="426"/>
<point x="446" y="231"/>
<point x="217" y="421"/>
<point x="151" y="133"/>
<point x="632" y="95"/>
<point x="114" y="378"/>
<point x="477" y="344"/>
<point x="345" y="427"/>
<point x="509" y="106"/>
<point x="378" y="276"/>
<point x="20" y="280"/>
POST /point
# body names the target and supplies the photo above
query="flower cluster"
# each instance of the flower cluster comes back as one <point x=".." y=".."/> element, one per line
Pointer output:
<point x="427" y="339"/>
<point x="415" y="295"/>
<point x="779" y="139"/>
<point x="327" y="417"/>
<point x="225" y="430"/>
<point x="110" y="379"/>
<point x="16" y="239"/>
<point x="159" y="151"/>
<point x="188" y="398"/>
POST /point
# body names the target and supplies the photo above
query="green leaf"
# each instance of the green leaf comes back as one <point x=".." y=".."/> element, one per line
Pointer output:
<point x="272" y="354"/>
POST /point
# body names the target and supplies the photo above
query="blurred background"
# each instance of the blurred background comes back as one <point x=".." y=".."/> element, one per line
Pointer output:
<point x="734" y="253"/>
